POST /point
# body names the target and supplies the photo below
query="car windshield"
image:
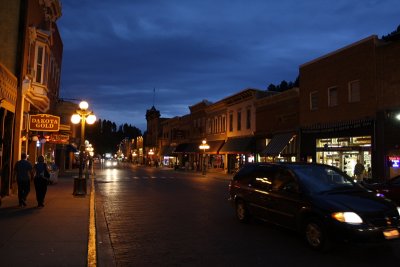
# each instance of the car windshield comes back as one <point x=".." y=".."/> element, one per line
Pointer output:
<point x="322" y="178"/>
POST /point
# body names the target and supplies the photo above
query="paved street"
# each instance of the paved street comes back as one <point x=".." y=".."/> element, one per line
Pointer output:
<point x="161" y="217"/>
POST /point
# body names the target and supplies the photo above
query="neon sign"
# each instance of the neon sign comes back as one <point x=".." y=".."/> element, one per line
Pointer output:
<point x="395" y="160"/>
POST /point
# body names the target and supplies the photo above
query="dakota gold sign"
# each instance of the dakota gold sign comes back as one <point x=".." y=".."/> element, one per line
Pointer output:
<point x="44" y="123"/>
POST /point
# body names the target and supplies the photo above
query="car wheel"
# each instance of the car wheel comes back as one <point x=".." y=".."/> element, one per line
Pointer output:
<point x="241" y="211"/>
<point x="315" y="235"/>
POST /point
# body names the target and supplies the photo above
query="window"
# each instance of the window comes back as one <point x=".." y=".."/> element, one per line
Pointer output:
<point x="248" y="119"/>
<point x="208" y="126"/>
<point x="223" y="124"/>
<point x="39" y="63"/>
<point x="332" y="96"/>
<point x="231" y="122"/>
<point x="314" y="100"/>
<point x="354" y="91"/>
<point x="239" y="120"/>
<point x="284" y="181"/>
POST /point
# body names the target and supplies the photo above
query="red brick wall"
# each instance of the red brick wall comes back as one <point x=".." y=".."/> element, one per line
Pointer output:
<point x="277" y="113"/>
<point x="355" y="62"/>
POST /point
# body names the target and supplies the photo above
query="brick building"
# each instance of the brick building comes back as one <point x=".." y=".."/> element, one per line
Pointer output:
<point x="347" y="101"/>
<point x="30" y="68"/>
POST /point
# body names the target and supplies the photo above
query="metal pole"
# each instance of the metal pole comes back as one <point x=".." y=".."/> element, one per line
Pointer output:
<point x="80" y="182"/>
<point x="204" y="162"/>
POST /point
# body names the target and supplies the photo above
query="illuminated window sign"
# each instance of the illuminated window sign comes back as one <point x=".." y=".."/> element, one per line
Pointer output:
<point x="395" y="161"/>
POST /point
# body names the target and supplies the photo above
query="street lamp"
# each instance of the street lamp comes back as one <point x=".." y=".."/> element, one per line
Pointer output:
<point x="204" y="146"/>
<point x="82" y="115"/>
<point x="151" y="153"/>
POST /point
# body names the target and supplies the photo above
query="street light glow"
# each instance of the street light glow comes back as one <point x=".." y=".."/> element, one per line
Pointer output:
<point x="76" y="118"/>
<point x="91" y="119"/>
<point x="398" y="116"/>
<point x="84" y="105"/>
<point x="204" y="145"/>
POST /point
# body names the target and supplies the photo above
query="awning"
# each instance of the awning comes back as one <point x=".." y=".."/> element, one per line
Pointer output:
<point x="215" y="146"/>
<point x="187" y="148"/>
<point x="277" y="144"/>
<point x="167" y="150"/>
<point x="194" y="147"/>
<point x="239" y="145"/>
<point x="181" y="148"/>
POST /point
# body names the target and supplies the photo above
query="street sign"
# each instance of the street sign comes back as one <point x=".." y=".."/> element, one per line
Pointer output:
<point x="44" y="123"/>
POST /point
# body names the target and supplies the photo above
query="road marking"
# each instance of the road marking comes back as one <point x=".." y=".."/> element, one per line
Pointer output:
<point x="152" y="177"/>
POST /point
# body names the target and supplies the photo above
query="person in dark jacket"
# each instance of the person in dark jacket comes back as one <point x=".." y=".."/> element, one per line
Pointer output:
<point x="24" y="172"/>
<point x="41" y="180"/>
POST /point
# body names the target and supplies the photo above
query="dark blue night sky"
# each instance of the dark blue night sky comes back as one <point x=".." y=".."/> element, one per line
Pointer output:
<point x="117" y="52"/>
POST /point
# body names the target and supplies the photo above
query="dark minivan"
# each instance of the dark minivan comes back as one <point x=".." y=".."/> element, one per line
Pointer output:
<point x="319" y="201"/>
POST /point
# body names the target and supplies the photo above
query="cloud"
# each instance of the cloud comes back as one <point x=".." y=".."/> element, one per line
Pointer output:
<point x="116" y="53"/>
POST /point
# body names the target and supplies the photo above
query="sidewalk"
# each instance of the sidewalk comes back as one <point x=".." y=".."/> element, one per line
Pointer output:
<point x="56" y="235"/>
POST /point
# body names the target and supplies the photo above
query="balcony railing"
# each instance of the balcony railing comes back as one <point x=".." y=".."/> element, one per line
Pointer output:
<point x="8" y="85"/>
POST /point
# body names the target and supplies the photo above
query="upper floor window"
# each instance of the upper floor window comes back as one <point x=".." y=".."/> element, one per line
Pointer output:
<point x="40" y="57"/>
<point x="332" y="96"/>
<point x="231" y="122"/>
<point x="239" y="120"/>
<point x="223" y="124"/>
<point x="314" y="100"/>
<point x="248" y="118"/>
<point x="354" y="91"/>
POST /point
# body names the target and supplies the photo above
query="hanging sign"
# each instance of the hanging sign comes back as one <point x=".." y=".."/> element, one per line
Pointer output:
<point x="44" y="123"/>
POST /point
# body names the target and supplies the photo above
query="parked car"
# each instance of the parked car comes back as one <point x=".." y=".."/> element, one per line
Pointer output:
<point x="319" y="201"/>
<point x="390" y="188"/>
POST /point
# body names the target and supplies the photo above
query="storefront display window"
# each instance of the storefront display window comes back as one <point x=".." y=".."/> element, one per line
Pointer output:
<point x="343" y="152"/>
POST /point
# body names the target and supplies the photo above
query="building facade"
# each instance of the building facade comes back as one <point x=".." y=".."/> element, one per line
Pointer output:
<point x="347" y="99"/>
<point x="30" y="63"/>
<point x="345" y="110"/>
<point x="277" y="131"/>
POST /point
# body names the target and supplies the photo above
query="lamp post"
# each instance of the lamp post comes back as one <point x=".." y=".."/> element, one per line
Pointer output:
<point x="90" y="152"/>
<point x="82" y="115"/>
<point x="204" y="146"/>
<point x="151" y="153"/>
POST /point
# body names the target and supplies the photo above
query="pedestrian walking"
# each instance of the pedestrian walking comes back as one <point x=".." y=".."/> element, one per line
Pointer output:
<point x="24" y="172"/>
<point x="359" y="170"/>
<point x="41" y="180"/>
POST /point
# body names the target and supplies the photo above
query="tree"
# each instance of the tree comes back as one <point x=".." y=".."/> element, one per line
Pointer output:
<point x="283" y="86"/>
<point x="105" y="138"/>
<point x="393" y="36"/>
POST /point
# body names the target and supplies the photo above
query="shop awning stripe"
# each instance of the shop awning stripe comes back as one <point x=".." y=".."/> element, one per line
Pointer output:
<point x="277" y="144"/>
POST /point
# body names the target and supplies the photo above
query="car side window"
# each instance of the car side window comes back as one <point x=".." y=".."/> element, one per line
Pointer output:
<point x="262" y="179"/>
<point x="244" y="174"/>
<point x="285" y="182"/>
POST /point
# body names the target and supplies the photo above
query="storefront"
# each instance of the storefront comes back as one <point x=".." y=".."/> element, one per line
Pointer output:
<point x="238" y="151"/>
<point x="344" y="152"/>
<point x="190" y="157"/>
<point x="168" y="159"/>
<point x="340" y="145"/>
